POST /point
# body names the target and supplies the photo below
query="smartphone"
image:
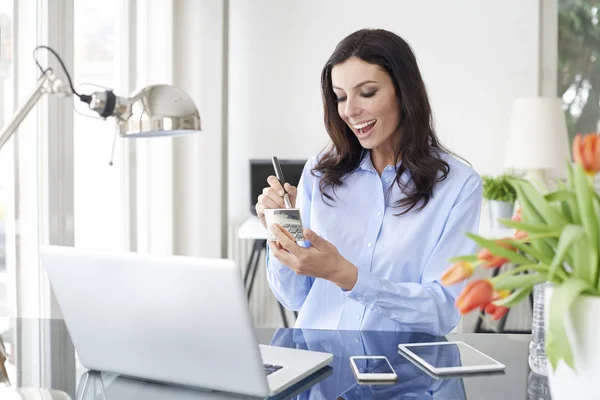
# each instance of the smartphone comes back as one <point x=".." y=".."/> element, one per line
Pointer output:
<point x="372" y="369"/>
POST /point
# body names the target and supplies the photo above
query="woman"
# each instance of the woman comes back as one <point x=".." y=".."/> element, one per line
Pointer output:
<point x="385" y="206"/>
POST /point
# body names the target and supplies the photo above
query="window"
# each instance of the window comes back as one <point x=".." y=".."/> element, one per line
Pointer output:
<point x="579" y="64"/>
<point x="99" y="211"/>
<point x="7" y="84"/>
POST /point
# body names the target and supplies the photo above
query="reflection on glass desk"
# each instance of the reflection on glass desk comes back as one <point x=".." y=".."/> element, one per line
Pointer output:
<point x="55" y="367"/>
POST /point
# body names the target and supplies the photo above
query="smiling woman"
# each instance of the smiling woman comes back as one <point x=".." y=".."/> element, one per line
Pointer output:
<point x="385" y="206"/>
<point x="382" y="106"/>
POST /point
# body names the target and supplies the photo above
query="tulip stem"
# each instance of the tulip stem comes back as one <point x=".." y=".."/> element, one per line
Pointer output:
<point x="529" y="267"/>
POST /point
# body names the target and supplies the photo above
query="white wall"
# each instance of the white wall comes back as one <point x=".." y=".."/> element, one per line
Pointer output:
<point x="198" y="174"/>
<point x="475" y="58"/>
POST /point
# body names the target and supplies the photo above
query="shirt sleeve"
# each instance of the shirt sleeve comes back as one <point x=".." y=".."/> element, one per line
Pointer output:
<point x="288" y="287"/>
<point x="428" y="306"/>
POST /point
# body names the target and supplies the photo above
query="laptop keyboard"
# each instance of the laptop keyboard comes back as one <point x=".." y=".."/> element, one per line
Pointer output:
<point x="269" y="369"/>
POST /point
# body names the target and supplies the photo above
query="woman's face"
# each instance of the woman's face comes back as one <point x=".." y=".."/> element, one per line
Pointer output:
<point x="367" y="102"/>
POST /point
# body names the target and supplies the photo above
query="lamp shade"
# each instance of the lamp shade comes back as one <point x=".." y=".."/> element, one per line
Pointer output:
<point x="157" y="110"/>
<point x="537" y="136"/>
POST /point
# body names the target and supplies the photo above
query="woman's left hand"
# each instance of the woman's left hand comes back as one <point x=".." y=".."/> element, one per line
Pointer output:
<point x="321" y="260"/>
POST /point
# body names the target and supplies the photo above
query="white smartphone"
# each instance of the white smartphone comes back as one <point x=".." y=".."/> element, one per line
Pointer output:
<point x="450" y="358"/>
<point x="372" y="369"/>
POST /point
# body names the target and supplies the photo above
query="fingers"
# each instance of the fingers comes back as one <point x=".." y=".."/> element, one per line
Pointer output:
<point x="283" y="256"/>
<point x="274" y="183"/>
<point x="292" y="192"/>
<point x="271" y="194"/>
<point x="270" y="200"/>
<point x="276" y="186"/>
<point x="285" y="239"/>
<point x="260" y="212"/>
<point x="315" y="240"/>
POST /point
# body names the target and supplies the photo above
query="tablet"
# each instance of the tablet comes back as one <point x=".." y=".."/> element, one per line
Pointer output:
<point x="450" y="358"/>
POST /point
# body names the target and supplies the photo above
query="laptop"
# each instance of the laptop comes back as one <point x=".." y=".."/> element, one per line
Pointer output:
<point x="175" y="319"/>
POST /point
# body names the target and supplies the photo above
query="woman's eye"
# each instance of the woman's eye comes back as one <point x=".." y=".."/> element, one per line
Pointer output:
<point x="340" y="99"/>
<point x="368" y="94"/>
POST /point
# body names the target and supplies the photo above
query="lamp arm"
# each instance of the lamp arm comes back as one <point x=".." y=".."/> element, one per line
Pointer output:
<point x="47" y="83"/>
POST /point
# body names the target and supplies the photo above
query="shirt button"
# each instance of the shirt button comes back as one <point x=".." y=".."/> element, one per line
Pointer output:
<point x="357" y="316"/>
<point x="361" y="370"/>
<point x="357" y="340"/>
<point x="387" y="180"/>
<point x="379" y="213"/>
<point x="369" y="244"/>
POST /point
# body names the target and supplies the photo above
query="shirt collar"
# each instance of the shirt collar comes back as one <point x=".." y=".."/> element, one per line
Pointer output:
<point x="367" y="165"/>
<point x="365" y="162"/>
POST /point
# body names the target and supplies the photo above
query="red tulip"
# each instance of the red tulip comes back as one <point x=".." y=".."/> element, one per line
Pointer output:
<point x="477" y="294"/>
<point x="495" y="311"/>
<point x="457" y="273"/>
<point x="586" y="152"/>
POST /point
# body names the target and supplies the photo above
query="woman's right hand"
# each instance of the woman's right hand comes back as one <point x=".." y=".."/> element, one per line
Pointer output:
<point x="272" y="197"/>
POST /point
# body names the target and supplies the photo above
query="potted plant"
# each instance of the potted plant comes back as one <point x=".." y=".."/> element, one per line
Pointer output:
<point x="501" y="196"/>
<point x="557" y="240"/>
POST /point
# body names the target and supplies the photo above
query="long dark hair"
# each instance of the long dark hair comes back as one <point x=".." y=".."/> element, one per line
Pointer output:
<point x="417" y="136"/>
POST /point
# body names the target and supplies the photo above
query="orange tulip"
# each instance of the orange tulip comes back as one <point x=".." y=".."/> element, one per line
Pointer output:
<point x="495" y="311"/>
<point x="477" y="294"/>
<point x="457" y="273"/>
<point x="490" y="260"/>
<point x="586" y="152"/>
<point x="517" y="217"/>
<point x="521" y="235"/>
<point x="500" y="294"/>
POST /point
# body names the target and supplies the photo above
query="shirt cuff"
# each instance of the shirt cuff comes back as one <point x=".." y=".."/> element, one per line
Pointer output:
<point x="271" y="261"/>
<point x="366" y="288"/>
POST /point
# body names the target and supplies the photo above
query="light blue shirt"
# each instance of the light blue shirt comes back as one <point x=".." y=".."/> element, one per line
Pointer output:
<point x="400" y="259"/>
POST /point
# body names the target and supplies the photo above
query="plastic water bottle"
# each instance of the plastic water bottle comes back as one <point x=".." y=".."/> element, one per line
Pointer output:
<point x="538" y="387"/>
<point x="537" y="348"/>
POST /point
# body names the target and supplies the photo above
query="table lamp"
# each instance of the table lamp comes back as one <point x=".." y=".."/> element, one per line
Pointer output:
<point x="156" y="110"/>
<point x="537" y="138"/>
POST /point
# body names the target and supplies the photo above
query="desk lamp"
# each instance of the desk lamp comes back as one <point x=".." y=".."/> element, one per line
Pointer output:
<point x="537" y="139"/>
<point x="156" y="110"/>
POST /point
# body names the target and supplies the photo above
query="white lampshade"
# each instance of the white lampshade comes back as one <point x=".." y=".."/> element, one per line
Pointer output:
<point x="537" y="136"/>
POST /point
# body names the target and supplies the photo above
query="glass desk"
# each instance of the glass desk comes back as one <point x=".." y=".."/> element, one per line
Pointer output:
<point x="40" y="354"/>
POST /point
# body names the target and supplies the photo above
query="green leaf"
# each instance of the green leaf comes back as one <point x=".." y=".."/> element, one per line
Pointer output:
<point x="569" y="235"/>
<point x="548" y="212"/>
<point x="565" y="208"/>
<point x="557" y="341"/>
<point x="570" y="205"/>
<point x="570" y="175"/>
<point x="584" y="194"/>
<point x="515" y="297"/>
<point x="559" y="195"/>
<point x="595" y="272"/>
<point x="499" y="251"/>
<point x="528" y="211"/>
<point x="499" y="188"/>
<point x="519" y="281"/>
<point x="468" y="258"/>
<point x="565" y="203"/>
<point x="530" y="228"/>
<point x="532" y="251"/>
<point x="581" y="258"/>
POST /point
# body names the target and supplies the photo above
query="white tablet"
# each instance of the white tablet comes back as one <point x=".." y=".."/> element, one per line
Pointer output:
<point x="449" y="358"/>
